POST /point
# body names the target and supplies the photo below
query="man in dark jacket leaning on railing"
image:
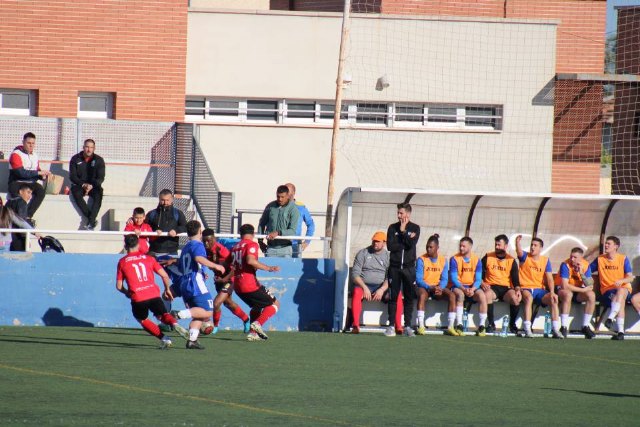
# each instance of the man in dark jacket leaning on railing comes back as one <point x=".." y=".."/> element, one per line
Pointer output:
<point x="166" y="218"/>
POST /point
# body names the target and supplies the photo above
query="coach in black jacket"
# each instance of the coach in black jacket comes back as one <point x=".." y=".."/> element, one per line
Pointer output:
<point x="402" y="238"/>
<point x="86" y="172"/>
<point x="166" y="218"/>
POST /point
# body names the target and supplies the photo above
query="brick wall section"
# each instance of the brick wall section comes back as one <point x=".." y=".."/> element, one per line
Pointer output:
<point x="577" y="131"/>
<point x="581" y="33"/>
<point x="575" y="178"/>
<point x="134" y="48"/>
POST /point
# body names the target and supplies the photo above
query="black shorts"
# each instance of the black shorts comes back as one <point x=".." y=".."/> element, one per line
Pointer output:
<point x="500" y="291"/>
<point x="260" y="298"/>
<point x="141" y="309"/>
<point x="226" y="288"/>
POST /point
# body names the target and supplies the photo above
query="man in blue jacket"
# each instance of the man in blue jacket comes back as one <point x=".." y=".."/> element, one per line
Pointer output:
<point x="305" y="216"/>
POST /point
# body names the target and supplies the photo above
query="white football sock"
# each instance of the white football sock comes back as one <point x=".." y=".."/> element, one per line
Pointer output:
<point x="420" y="318"/>
<point x="193" y="334"/>
<point x="527" y="325"/>
<point x="586" y="319"/>
<point x="564" y="320"/>
<point x="459" y="310"/>
<point x="483" y="318"/>
<point x="615" y="308"/>
<point x="184" y="314"/>
<point x="555" y="325"/>
<point x="620" y="323"/>
<point x="452" y="319"/>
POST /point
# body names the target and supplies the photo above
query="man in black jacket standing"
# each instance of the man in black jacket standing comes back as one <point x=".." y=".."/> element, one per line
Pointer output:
<point x="86" y="172"/>
<point x="166" y="218"/>
<point x="402" y="238"/>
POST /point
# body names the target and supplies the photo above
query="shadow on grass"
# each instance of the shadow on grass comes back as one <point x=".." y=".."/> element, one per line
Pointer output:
<point x="595" y="393"/>
<point x="70" y="342"/>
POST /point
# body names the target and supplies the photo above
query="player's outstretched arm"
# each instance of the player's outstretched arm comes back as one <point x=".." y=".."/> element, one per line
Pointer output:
<point x="212" y="265"/>
<point x="253" y="262"/>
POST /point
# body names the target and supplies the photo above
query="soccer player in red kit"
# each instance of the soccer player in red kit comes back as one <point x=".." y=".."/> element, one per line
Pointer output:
<point x="216" y="252"/>
<point x="245" y="264"/>
<point x="137" y="269"/>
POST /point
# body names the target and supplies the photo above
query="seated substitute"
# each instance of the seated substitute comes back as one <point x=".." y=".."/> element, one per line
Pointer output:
<point x="615" y="276"/>
<point x="501" y="281"/>
<point x="432" y="277"/>
<point x="576" y="284"/>
<point x="369" y="276"/>
<point x="465" y="275"/>
<point x="535" y="270"/>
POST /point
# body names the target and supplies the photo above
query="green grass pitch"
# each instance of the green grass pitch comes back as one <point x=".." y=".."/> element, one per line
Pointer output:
<point x="102" y="376"/>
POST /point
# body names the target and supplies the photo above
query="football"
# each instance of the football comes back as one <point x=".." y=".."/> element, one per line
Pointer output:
<point x="206" y="328"/>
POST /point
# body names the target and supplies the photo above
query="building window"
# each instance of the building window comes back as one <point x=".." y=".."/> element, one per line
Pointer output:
<point x="485" y="117"/>
<point x="353" y="113"/>
<point x="262" y="110"/>
<point x="372" y="114"/>
<point x="17" y="102"/>
<point x="442" y="114"/>
<point x="95" y="105"/>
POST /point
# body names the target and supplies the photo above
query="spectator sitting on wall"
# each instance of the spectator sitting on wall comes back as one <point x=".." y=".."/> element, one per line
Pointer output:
<point x="24" y="167"/>
<point x="166" y="218"/>
<point x="137" y="225"/>
<point x="280" y="218"/>
<point x="15" y="214"/>
<point x="87" y="172"/>
<point x="297" y="246"/>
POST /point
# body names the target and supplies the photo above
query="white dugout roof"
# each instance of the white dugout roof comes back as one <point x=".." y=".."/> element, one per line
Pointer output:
<point x="562" y="221"/>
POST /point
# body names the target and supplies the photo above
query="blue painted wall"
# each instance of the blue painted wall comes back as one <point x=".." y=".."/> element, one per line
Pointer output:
<point x="79" y="289"/>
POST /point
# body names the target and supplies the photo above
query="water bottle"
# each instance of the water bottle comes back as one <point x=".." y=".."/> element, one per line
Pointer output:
<point x="465" y="320"/>
<point x="505" y="326"/>
<point x="547" y="324"/>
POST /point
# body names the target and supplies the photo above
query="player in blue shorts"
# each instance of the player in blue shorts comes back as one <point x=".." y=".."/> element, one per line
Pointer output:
<point x="194" y="291"/>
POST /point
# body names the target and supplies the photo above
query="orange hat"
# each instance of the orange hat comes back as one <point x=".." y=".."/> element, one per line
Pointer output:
<point x="379" y="236"/>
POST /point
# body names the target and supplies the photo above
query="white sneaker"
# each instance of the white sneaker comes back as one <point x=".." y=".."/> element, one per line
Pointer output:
<point x="181" y="331"/>
<point x="408" y="332"/>
<point x="253" y="337"/>
<point x="257" y="328"/>
<point x="390" y="331"/>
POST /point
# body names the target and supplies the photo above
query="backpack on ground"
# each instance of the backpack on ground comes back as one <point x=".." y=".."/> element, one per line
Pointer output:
<point x="50" y="244"/>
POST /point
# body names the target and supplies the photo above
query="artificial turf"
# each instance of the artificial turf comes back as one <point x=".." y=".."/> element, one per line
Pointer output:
<point x="103" y="376"/>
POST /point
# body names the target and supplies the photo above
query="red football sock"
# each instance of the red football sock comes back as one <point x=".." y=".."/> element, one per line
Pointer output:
<point x="216" y="317"/>
<point x="151" y="327"/>
<point x="254" y="313"/>
<point x="356" y="305"/>
<point x="240" y="313"/>
<point x="168" y="319"/>
<point x="266" y="314"/>
<point x="399" y="311"/>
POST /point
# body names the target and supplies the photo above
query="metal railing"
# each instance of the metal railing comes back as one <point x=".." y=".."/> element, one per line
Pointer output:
<point x="35" y="232"/>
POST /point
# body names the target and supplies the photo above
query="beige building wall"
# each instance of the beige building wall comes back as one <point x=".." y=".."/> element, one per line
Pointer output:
<point x="230" y="4"/>
<point x="273" y="55"/>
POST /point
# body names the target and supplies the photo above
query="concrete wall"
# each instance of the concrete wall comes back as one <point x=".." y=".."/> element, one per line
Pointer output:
<point x="277" y="56"/>
<point x="82" y="288"/>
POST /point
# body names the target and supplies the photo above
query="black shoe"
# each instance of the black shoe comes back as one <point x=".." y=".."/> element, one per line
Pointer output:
<point x="608" y="323"/>
<point x="557" y="336"/>
<point x="618" y="337"/>
<point x="588" y="333"/>
<point x="91" y="225"/>
<point x="460" y="330"/>
<point x="513" y="329"/>
<point x="194" y="345"/>
<point x="491" y="328"/>
<point x="564" y="331"/>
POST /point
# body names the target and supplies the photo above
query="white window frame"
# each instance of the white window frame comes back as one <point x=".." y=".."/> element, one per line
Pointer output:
<point x="299" y="120"/>
<point x="96" y="114"/>
<point x="18" y="111"/>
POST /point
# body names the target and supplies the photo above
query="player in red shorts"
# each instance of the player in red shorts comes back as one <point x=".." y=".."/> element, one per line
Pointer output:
<point x="216" y="252"/>
<point x="137" y="269"/>
<point x="245" y="264"/>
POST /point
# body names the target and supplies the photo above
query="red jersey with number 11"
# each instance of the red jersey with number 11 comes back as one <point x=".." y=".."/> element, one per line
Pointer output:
<point x="245" y="280"/>
<point x="138" y="270"/>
